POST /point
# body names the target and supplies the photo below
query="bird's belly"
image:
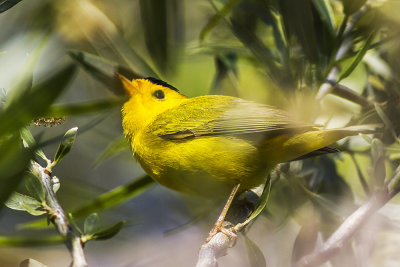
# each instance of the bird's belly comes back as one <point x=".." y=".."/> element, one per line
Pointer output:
<point x="206" y="166"/>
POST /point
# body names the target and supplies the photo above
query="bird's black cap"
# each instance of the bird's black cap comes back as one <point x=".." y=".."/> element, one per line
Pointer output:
<point x="160" y="82"/>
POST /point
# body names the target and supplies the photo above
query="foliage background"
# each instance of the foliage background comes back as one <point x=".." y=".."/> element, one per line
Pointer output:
<point x="189" y="44"/>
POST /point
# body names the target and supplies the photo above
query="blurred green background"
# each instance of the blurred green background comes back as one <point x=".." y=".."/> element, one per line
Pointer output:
<point x="58" y="59"/>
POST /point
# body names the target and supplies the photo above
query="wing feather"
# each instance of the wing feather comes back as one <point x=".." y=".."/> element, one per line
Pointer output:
<point x="222" y="115"/>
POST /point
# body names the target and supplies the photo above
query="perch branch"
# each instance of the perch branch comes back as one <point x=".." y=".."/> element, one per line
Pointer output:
<point x="59" y="219"/>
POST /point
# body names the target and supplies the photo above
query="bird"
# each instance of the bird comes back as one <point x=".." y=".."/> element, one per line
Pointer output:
<point x="210" y="145"/>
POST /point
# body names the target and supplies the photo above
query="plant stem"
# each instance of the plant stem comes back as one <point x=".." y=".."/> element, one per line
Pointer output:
<point x="59" y="219"/>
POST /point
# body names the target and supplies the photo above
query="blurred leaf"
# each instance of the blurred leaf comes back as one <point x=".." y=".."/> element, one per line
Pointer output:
<point x="23" y="241"/>
<point x="31" y="263"/>
<point x="84" y="108"/>
<point x="299" y="21"/>
<point x="7" y="4"/>
<point x="114" y="197"/>
<point x="65" y="145"/>
<point x="35" y="187"/>
<point x="91" y="224"/>
<point x="305" y="241"/>
<point x="244" y="24"/>
<point x="261" y="205"/>
<point x="162" y="23"/>
<point x="14" y="162"/>
<point x="378" y="162"/>
<point x="82" y="129"/>
<point x="30" y="141"/>
<point x="388" y="123"/>
<point x="108" y="232"/>
<point x="103" y="70"/>
<point x="361" y="177"/>
<point x="226" y="80"/>
<point x="325" y="10"/>
<point x="19" y="201"/>
<point x="254" y="253"/>
<point x="115" y="147"/>
<point x="213" y="22"/>
<point x="104" y="201"/>
<point x="357" y="59"/>
<point x="26" y="107"/>
<point x="352" y="6"/>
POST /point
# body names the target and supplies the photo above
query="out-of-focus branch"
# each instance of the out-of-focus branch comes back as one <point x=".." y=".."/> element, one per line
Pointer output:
<point x="352" y="224"/>
<point x="346" y="93"/>
<point x="59" y="219"/>
<point x="344" y="48"/>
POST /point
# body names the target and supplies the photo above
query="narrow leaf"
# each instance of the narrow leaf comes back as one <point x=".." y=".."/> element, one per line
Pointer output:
<point x="213" y="22"/>
<point x="19" y="201"/>
<point x="104" y="201"/>
<point x="103" y="70"/>
<point x="14" y="162"/>
<point x="262" y="203"/>
<point x="84" y="108"/>
<point x="23" y="241"/>
<point x="7" y="4"/>
<point x="108" y="232"/>
<point x="378" y="162"/>
<point x="115" y="147"/>
<point x="35" y="186"/>
<point x="65" y="145"/>
<point x="254" y="253"/>
<point x="30" y="141"/>
<point x="91" y="224"/>
<point x="326" y="13"/>
<point x="26" y="107"/>
<point x="357" y="59"/>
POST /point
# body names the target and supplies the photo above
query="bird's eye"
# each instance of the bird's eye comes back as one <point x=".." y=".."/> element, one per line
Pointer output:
<point x="159" y="94"/>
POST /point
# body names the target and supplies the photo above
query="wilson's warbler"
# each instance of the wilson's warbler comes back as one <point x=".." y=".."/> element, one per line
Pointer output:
<point x="208" y="144"/>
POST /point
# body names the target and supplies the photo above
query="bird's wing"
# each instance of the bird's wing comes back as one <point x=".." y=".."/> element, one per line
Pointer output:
<point x="222" y="115"/>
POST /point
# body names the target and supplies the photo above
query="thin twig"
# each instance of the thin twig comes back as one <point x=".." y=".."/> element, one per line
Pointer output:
<point x="59" y="219"/>
<point x="352" y="224"/>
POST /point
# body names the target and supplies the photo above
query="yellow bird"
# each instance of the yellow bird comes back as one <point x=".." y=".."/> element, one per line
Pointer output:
<point x="209" y="144"/>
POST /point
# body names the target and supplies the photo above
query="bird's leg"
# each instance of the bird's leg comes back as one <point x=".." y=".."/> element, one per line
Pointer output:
<point x="218" y="224"/>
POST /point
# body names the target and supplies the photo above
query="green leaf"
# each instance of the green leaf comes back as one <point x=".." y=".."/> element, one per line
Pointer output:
<point x="357" y="59"/>
<point x="326" y="13"/>
<point x="254" y="253"/>
<point x="14" y="162"/>
<point x="352" y="6"/>
<point x="115" y="147"/>
<point x="213" y="22"/>
<point x="108" y="232"/>
<point x="35" y="186"/>
<point x="7" y="4"/>
<point x="19" y="201"/>
<point x="23" y="241"/>
<point x="84" y="108"/>
<point x="261" y="205"/>
<point x="104" y="201"/>
<point x="91" y="224"/>
<point x="162" y="25"/>
<point x="30" y="141"/>
<point x="378" y="162"/>
<point x="25" y="107"/>
<point x="103" y="70"/>
<point x="31" y="263"/>
<point x="65" y="145"/>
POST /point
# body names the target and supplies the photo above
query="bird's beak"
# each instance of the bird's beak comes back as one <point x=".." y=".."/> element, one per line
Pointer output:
<point x="131" y="87"/>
